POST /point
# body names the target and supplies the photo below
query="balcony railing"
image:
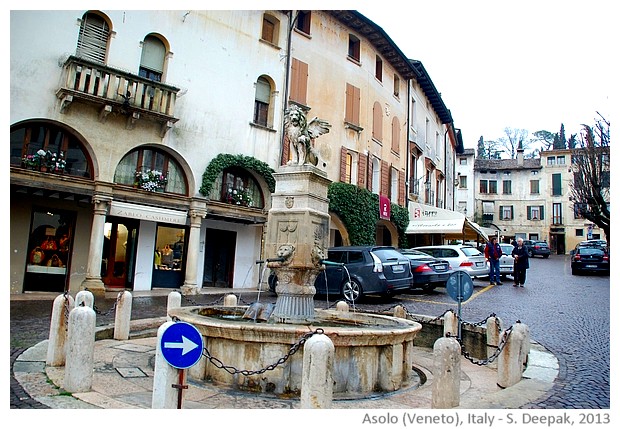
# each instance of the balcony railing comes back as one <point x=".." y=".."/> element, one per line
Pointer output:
<point x="117" y="91"/>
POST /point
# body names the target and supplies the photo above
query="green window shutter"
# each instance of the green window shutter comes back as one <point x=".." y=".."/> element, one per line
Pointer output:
<point x="542" y="212"/>
<point x="557" y="184"/>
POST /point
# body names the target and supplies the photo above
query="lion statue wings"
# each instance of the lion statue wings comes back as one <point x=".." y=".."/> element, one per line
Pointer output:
<point x="301" y="134"/>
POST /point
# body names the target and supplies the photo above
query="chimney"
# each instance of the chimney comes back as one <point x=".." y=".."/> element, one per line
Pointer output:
<point x="520" y="154"/>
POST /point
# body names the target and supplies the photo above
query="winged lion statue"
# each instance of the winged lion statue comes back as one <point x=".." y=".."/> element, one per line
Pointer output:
<point x="301" y="134"/>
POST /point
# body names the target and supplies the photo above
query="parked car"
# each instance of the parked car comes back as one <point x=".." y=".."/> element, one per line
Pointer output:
<point x="506" y="262"/>
<point x="589" y="258"/>
<point x="428" y="272"/>
<point x="537" y="248"/>
<point x="355" y="271"/>
<point x="461" y="257"/>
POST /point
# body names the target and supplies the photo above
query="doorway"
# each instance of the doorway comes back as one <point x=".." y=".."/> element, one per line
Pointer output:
<point x="219" y="258"/>
<point x="119" y="252"/>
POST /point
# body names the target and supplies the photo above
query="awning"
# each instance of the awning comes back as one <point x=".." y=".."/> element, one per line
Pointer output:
<point x="425" y="219"/>
<point x="488" y="207"/>
<point x="471" y="231"/>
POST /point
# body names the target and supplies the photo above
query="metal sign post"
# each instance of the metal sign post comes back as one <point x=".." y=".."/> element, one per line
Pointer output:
<point x="181" y="346"/>
<point x="460" y="288"/>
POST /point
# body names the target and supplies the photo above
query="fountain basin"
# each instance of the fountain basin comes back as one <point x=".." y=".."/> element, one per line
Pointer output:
<point x="373" y="353"/>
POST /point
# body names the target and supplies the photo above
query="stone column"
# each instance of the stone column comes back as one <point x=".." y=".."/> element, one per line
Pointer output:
<point x="317" y="383"/>
<point x="93" y="282"/>
<point x="190" y="286"/>
<point x="447" y="373"/>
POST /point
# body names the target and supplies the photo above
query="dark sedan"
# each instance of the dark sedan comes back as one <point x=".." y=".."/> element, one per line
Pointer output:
<point x="589" y="259"/>
<point x="428" y="272"/>
<point x="537" y="248"/>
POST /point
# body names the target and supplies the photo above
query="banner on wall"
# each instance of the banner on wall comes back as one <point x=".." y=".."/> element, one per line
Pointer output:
<point x="384" y="207"/>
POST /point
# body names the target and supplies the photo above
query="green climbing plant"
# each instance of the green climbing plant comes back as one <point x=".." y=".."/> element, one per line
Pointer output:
<point x="226" y="160"/>
<point x="358" y="208"/>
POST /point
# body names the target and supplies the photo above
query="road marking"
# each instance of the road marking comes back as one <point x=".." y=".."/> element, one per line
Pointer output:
<point x="428" y="301"/>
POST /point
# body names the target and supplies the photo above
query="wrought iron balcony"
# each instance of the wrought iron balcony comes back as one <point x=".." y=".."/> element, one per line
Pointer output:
<point x="117" y="91"/>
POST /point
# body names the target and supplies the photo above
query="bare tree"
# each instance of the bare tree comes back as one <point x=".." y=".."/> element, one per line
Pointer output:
<point x="488" y="149"/>
<point x="514" y="137"/>
<point x="590" y="188"/>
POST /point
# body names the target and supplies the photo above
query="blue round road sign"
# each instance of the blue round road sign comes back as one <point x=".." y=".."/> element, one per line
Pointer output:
<point x="460" y="286"/>
<point x="181" y="345"/>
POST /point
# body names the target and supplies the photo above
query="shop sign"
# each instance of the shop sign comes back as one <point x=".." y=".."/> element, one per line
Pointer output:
<point x="153" y="214"/>
<point x="384" y="207"/>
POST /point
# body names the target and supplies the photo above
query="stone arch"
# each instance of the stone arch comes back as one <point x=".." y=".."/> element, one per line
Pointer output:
<point x="391" y="229"/>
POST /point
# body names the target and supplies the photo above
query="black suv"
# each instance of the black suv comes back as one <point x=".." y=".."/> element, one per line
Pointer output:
<point x="355" y="271"/>
<point x="537" y="248"/>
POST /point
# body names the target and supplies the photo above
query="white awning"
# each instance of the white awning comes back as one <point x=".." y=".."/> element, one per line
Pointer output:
<point x="488" y="207"/>
<point x="477" y="229"/>
<point x="424" y="219"/>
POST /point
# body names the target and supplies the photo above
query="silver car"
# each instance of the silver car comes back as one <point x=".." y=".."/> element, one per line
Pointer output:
<point x="506" y="262"/>
<point x="461" y="257"/>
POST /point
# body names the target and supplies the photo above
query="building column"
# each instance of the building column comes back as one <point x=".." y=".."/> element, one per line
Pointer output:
<point x="93" y="282"/>
<point x="190" y="285"/>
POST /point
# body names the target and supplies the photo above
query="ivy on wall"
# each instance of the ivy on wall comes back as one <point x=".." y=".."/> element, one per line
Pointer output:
<point x="358" y="208"/>
<point x="226" y="160"/>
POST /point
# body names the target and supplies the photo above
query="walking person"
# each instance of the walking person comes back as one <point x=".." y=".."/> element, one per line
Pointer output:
<point x="492" y="252"/>
<point x="522" y="263"/>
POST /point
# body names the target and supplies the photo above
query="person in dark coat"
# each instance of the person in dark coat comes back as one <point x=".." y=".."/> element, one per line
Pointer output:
<point x="492" y="252"/>
<point x="522" y="263"/>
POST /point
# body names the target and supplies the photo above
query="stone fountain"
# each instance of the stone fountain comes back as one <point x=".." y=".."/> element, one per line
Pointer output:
<point x="373" y="353"/>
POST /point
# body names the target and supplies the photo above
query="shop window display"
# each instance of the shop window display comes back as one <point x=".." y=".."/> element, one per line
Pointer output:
<point x="168" y="260"/>
<point x="49" y="249"/>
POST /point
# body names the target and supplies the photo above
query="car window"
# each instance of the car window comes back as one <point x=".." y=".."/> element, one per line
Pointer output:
<point x="470" y="251"/>
<point x="450" y="253"/>
<point x="385" y="254"/>
<point x="355" y="257"/>
<point x="591" y="251"/>
<point x="336" y="256"/>
<point x="507" y="248"/>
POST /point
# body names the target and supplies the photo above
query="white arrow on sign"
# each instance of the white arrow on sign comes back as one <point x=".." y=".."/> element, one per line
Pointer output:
<point x="186" y="345"/>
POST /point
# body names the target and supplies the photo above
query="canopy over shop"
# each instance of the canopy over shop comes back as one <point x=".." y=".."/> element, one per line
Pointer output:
<point x="425" y="219"/>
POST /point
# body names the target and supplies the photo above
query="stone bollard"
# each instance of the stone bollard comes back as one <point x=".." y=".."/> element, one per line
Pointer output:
<point x="80" y="350"/>
<point x="317" y="384"/>
<point x="513" y="356"/>
<point x="85" y="297"/>
<point x="450" y="324"/>
<point x="494" y="329"/>
<point x="400" y="311"/>
<point x="174" y="301"/>
<point x="122" y="318"/>
<point x="59" y="324"/>
<point x="164" y="395"/>
<point x="230" y="300"/>
<point x="447" y="373"/>
<point x="342" y="306"/>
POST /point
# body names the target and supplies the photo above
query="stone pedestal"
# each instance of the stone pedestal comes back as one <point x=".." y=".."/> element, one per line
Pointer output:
<point x="297" y="238"/>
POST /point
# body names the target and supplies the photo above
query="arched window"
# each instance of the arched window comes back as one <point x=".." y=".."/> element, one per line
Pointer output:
<point x="262" y="102"/>
<point x="153" y="58"/>
<point x="93" y="37"/>
<point x="237" y="187"/>
<point x="151" y="170"/>
<point x="48" y="147"/>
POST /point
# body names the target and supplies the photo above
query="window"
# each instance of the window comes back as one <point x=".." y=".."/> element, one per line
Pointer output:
<point x="561" y="160"/>
<point x="396" y="86"/>
<point x="551" y="160"/>
<point x="579" y="232"/>
<point x="535" y="212"/>
<point x="557" y="214"/>
<point x="463" y="182"/>
<point x="299" y="81"/>
<point x="346" y="166"/>
<point x="30" y="138"/>
<point x="484" y="186"/>
<point x="376" y="176"/>
<point x="169" y="248"/>
<point x="354" y="48"/>
<point x="152" y="60"/>
<point x="270" y="30"/>
<point x="534" y="186"/>
<point x="579" y="209"/>
<point x="236" y="186"/>
<point x="377" y="121"/>
<point x="145" y="162"/>
<point x="352" y="108"/>
<point x="379" y="68"/>
<point x="394" y="185"/>
<point x="463" y="161"/>
<point x="492" y="186"/>
<point x="557" y="184"/>
<point x="93" y="38"/>
<point x="395" y="134"/>
<point x="505" y="213"/>
<point x="303" y="21"/>
<point x="507" y="186"/>
<point x="262" y="101"/>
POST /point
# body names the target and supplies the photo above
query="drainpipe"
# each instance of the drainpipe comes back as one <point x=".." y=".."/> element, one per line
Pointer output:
<point x="287" y="78"/>
<point x="408" y="148"/>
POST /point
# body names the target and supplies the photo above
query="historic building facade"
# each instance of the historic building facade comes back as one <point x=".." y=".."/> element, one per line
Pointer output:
<point x="143" y="142"/>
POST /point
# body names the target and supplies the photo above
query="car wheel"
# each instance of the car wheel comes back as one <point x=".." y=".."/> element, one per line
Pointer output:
<point x="545" y="256"/>
<point x="429" y="287"/>
<point x="352" y="291"/>
<point x="574" y="271"/>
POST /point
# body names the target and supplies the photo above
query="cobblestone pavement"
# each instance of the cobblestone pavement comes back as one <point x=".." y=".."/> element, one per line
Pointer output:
<point x="569" y="315"/>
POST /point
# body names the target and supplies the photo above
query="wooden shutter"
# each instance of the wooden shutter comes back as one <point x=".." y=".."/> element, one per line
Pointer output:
<point x="299" y="81"/>
<point x="385" y="178"/>
<point x="377" y="122"/>
<point x="401" y="188"/>
<point x="395" y="134"/>
<point x="352" y="108"/>
<point x="343" y="164"/>
<point x="362" y="170"/>
<point x="93" y="38"/>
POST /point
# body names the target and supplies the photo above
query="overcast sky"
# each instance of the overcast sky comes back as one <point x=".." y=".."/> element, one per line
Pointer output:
<point x="516" y="64"/>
